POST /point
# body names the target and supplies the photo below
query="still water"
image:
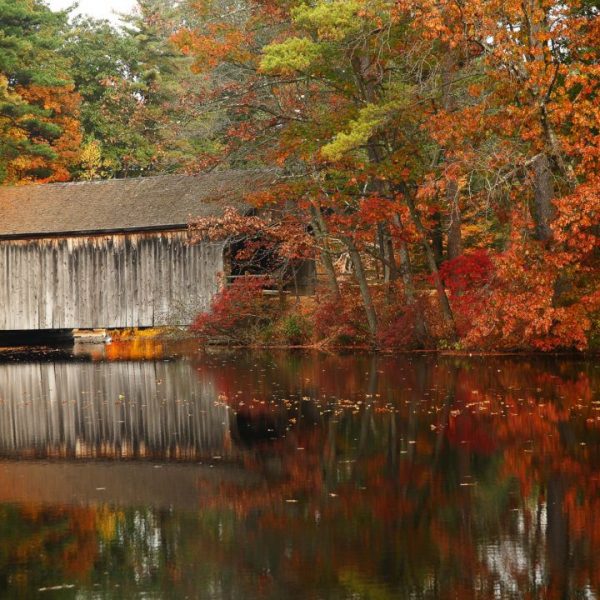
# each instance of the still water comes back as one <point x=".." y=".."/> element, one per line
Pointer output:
<point x="144" y="472"/>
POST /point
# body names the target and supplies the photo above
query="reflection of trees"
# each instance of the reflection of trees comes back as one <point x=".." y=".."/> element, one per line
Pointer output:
<point x="425" y="478"/>
<point x="39" y="545"/>
<point x="493" y="494"/>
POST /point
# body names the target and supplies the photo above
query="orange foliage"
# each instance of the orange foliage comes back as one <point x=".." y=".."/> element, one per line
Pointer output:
<point x="62" y="106"/>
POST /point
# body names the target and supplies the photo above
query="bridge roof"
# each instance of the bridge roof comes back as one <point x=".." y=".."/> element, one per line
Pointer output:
<point x="112" y="205"/>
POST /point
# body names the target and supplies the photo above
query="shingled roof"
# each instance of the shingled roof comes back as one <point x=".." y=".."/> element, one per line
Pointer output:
<point x="144" y="203"/>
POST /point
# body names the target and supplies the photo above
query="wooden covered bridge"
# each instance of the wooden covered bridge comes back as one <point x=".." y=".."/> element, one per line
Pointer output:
<point x="114" y="253"/>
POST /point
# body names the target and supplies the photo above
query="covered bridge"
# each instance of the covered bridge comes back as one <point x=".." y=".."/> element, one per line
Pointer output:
<point x="114" y="253"/>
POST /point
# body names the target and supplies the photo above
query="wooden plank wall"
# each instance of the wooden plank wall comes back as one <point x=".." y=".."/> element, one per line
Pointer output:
<point x="108" y="281"/>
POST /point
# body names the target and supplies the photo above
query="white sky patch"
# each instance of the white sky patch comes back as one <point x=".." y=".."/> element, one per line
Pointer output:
<point x="100" y="9"/>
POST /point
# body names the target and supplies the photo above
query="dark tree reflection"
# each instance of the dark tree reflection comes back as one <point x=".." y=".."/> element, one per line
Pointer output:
<point x="320" y="477"/>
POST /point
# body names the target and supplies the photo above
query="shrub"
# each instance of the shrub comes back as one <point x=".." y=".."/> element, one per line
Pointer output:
<point x="238" y="313"/>
<point x="468" y="278"/>
<point x="398" y="331"/>
<point x="534" y="299"/>
<point x="522" y="308"/>
<point x="398" y="320"/>
<point x="467" y="272"/>
<point x="295" y="329"/>
<point x="342" y="320"/>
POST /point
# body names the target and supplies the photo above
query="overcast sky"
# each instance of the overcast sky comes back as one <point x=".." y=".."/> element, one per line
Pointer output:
<point x="95" y="8"/>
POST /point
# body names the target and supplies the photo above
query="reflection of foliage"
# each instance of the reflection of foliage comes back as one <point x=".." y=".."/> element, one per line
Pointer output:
<point x="46" y="544"/>
<point x="424" y="477"/>
<point x="456" y="487"/>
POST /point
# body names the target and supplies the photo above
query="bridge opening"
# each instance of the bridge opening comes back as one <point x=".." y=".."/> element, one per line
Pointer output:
<point x="40" y="337"/>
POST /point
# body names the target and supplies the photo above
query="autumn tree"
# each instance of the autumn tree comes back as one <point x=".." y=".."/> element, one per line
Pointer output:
<point x="527" y="148"/>
<point x="418" y="130"/>
<point x="323" y="96"/>
<point x="39" y="107"/>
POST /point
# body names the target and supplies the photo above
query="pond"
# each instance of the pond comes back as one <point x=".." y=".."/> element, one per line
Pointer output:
<point x="143" y="471"/>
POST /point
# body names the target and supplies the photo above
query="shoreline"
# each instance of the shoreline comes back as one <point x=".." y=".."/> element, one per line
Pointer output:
<point x="78" y="351"/>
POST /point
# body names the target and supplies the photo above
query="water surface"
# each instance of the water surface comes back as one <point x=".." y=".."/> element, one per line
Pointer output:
<point x="139" y="472"/>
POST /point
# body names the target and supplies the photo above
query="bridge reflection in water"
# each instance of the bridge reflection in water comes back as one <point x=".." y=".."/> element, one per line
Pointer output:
<point x="418" y="476"/>
<point x="151" y="409"/>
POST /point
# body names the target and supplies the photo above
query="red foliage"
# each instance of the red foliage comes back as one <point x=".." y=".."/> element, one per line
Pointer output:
<point x="341" y="320"/>
<point x="539" y="299"/>
<point x="236" y="312"/>
<point x="287" y="236"/>
<point x="467" y="277"/>
<point x="400" y="331"/>
<point x="396" y="319"/>
<point x="467" y="272"/>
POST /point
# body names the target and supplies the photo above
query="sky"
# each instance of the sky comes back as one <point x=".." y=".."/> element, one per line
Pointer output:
<point x="95" y="8"/>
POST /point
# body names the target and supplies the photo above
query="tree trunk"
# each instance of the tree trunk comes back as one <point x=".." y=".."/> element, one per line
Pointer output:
<point x="454" y="229"/>
<point x="449" y="103"/>
<point x="320" y="229"/>
<point x="439" y="287"/>
<point x="361" y="278"/>
<point x="382" y="258"/>
<point x="543" y="185"/>
<point x="437" y="239"/>
<point x="388" y="245"/>
<point x="421" y="329"/>
<point x="390" y="269"/>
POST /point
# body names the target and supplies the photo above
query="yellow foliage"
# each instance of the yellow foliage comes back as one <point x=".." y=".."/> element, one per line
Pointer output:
<point x="295" y="54"/>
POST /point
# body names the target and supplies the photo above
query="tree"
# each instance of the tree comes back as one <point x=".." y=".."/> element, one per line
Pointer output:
<point x="321" y="100"/>
<point x="416" y="129"/>
<point x="520" y="146"/>
<point x="39" y="129"/>
<point x="140" y="96"/>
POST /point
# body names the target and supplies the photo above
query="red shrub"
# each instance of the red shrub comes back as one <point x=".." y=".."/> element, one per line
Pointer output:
<point x="467" y="277"/>
<point x="341" y="320"/>
<point x="237" y="312"/>
<point x="467" y="272"/>
<point x="399" y="332"/>
<point x="525" y="307"/>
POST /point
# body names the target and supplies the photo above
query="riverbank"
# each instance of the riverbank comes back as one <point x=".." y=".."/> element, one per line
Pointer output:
<point x="157" y="345"/>
<point x="242" y="315"/>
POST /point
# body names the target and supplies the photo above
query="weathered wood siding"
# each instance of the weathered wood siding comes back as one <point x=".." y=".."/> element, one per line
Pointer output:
<point x="108" y="281"/>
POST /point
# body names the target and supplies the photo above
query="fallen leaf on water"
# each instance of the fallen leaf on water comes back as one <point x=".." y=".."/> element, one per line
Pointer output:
<point x="56" y="588"/>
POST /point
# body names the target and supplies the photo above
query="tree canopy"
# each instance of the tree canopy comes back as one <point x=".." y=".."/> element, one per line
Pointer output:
<point x="448" y="153"/>
<point x="39" y="129"/>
